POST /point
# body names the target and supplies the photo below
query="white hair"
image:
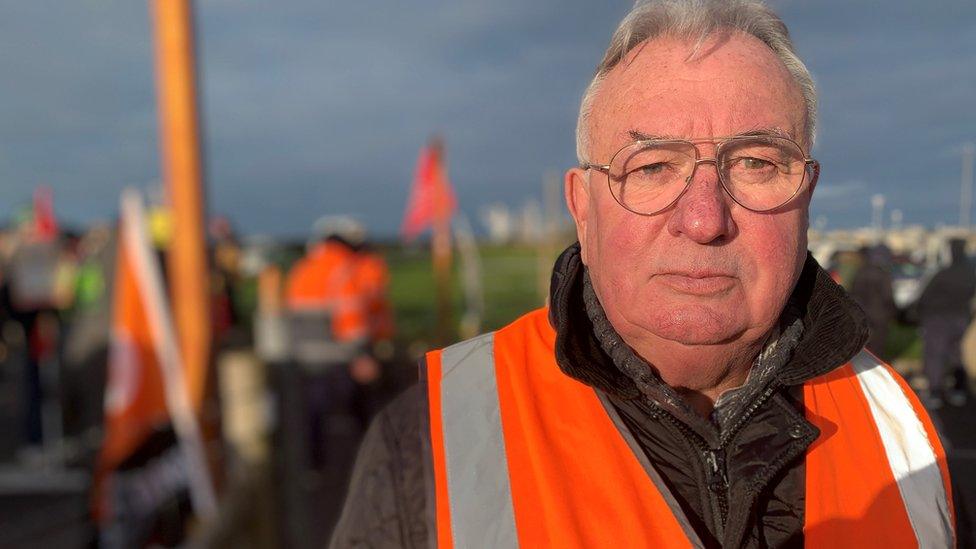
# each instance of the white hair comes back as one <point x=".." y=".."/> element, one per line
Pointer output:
<point x="696" y="20"/>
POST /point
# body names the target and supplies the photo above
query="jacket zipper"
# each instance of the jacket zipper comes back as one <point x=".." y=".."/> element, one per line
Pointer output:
<point x="716" y="467"/>
<point x="759" y="401"/>
<point x="718" y="481"/>
<point x="718" y="484"/>
<point x="730" y="433"/>
<point x="716" y="477"/>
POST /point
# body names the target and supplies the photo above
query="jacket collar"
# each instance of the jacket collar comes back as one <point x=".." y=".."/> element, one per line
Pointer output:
<point x="835" y="329"/>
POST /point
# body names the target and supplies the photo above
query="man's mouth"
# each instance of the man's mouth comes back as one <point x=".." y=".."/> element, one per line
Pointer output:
<point x="702" y="283"/>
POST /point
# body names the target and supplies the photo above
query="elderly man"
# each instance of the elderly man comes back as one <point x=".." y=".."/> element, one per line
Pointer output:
<point x="697" y="379"/>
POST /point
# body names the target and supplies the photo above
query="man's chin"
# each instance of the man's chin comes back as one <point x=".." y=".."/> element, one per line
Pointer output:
<point x="699" y="340"/>
<point x="695" y="328"/>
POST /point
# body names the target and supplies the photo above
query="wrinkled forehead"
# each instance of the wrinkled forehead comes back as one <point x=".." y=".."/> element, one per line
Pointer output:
<point x="728" y="84"/>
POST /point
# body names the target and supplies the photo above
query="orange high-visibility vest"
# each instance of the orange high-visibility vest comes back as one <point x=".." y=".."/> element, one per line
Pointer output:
<point x="525" y="456"/>
<point x="373" y="276"/>
<point x="325" y="281"/>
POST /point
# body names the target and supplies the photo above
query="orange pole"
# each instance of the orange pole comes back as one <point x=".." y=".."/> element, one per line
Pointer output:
<point x="181" y="169"/>
<point x="444" y="287"/>
<point x="440" y="247"/>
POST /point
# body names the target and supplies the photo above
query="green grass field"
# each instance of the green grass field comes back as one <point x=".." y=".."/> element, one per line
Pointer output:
<point x="510" y="276"/>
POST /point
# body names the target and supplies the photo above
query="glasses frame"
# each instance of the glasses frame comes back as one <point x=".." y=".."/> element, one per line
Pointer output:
<point x="810" y="165"/>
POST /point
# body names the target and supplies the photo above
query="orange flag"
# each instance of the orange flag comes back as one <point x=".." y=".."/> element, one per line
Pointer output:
<point x="135" y="400"/>
<point x="431" y="197"/>
<point x="145" y="390"/>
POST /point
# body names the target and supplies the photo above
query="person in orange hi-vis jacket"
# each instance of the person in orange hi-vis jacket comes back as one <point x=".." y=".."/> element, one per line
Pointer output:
<point x="328" y="323"/>
<point x="374" y="277"/>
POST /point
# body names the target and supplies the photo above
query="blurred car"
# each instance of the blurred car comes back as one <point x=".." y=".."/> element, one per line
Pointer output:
<point x="908" y="279"/>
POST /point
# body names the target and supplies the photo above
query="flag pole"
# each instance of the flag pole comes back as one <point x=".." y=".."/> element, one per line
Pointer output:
<point x="440" y="247"/>
<point x="431" y="203"/>
<point x="181" y="169"/>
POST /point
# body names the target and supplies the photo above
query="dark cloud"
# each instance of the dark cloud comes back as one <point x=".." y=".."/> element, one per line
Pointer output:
<point x="351" y="93"/>
<point x="317" y="107"/>
<point x="895" y="81"/>
<point x="76" y="106"/>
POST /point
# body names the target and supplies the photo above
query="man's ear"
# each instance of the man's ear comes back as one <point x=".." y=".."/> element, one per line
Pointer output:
<point x="577" y="193"/>
<point x="814" y="176"/>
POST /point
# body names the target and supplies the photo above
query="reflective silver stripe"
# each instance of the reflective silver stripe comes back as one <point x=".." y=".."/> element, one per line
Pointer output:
<point x="651" y="471"/>
<point x="910" y="453"/>
<point x="479" y="493"/>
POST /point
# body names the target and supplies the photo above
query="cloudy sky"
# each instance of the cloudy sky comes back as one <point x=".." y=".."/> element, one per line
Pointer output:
<point x="313" y="107"/>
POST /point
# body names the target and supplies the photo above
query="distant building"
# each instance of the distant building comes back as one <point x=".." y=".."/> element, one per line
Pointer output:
<point x="922" y="245"/>
<point x="499" y="223"/>
<point x="530" y="229"/>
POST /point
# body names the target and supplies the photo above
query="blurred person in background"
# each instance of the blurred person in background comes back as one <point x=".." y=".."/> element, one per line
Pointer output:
<point x="6" y="307"/>
<point x="329" y="329"/>
<point x="373" y="275"/>
<point x="6" y="316"/>
<point x="944" y="313"/>
<point x="697" y="378"/>
<point x="36" y="286"/>
<point x="872" y="289"/>
<point x="231" y="322"/>
<point x="86" y="339"/>
<point x="843" y="267"/>
<point x="373" y="278"/>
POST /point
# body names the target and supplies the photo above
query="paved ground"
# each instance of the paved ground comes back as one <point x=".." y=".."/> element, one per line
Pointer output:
<point x="44" y="509"/>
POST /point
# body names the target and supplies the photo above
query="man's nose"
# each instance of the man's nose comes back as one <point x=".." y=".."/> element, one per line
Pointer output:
<point x="702" y="213"/>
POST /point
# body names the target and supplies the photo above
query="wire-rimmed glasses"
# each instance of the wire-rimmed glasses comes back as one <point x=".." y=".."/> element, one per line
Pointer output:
<point x="760" y="172"/>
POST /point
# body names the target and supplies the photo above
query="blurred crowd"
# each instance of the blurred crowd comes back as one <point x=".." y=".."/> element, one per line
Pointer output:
<point x="899" y="292"/>
<point x="304" y="356"/>
<point x="55" y="311"/>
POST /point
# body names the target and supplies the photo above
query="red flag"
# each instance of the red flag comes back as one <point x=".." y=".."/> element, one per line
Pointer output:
<point x="431" y="198"/>
<point x="45" y="224"/>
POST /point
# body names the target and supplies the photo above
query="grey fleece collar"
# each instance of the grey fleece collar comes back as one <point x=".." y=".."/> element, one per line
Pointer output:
<point x="775" y="354"/>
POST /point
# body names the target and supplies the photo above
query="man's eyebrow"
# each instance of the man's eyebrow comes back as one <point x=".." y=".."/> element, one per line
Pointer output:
<point x="641" y="136"/>
<point x="770" y="131"/>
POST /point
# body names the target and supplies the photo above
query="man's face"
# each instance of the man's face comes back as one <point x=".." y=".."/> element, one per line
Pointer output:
<point x="706" y="270"/>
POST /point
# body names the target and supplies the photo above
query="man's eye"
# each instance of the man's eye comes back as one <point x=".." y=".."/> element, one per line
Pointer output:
<point x="652" y="169"/>
<point x="751" y="163"/>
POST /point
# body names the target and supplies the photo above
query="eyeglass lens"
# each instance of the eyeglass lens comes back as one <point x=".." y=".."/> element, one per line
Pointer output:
<point x="761" y="173"/>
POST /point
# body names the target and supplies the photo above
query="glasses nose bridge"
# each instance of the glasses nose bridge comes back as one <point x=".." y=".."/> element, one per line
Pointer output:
<point x="699" y="161"/>
<point x="716" y="152"/>
<point x="713" y="160"/>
